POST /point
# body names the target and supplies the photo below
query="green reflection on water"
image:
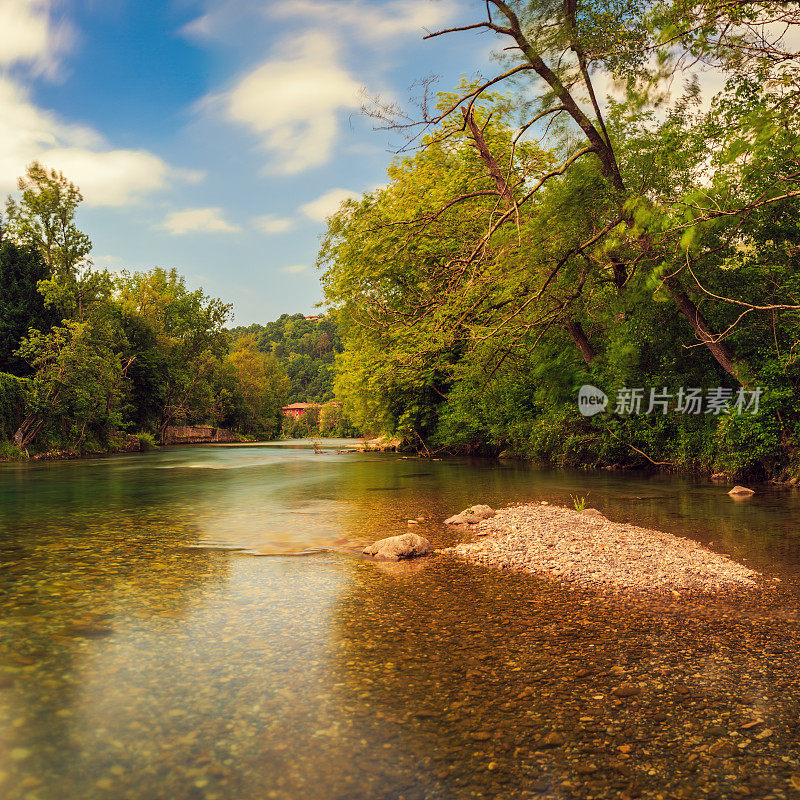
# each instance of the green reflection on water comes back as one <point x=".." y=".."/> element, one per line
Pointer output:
<point x="135" y="665"/>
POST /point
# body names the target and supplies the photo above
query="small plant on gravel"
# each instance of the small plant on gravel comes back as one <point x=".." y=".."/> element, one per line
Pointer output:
<point x="579" y="502"/>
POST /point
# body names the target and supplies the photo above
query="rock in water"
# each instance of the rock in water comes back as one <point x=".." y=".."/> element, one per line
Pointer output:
<point x="393" y="548"/>
<point x="471" y="516"/>
<point x="742" y="491"/>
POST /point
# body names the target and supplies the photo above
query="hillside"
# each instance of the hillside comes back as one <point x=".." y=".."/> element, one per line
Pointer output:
<point x="305" y="348"/>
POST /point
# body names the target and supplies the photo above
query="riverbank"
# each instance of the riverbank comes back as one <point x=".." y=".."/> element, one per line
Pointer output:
<point x="585" y="549"/>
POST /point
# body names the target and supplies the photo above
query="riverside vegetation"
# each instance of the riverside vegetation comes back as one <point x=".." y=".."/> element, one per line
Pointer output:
<point x="91" y="362"/>
<point x="534" y="236"/>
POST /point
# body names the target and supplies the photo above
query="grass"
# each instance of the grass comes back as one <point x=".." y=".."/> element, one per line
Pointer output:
<point x="579" y="502"/>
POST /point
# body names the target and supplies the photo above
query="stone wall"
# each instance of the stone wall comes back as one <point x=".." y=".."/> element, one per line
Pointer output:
<point x="197" y="434"/>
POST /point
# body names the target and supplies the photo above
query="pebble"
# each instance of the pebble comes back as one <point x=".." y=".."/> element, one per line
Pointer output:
<point x="552" y="740"/>
<point x="627" y="690"/>
<point x="595" y="552"/>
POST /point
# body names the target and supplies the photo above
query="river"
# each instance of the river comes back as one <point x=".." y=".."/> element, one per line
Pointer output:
<point x="196" y="623"/>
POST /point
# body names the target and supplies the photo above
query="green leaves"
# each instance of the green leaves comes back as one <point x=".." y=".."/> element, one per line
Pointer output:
<point x="44" y="217"/>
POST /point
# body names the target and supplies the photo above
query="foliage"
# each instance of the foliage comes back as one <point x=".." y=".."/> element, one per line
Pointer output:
<point x="14" y="393"/>
<point x="108" y="355"/>
<point x="187" y="345"/>
<point x="654" y="243"/>
<point x="260" y="389"/>
<point x="578" y="502"/>
<point x="305" y="350"/>
<point x="44" y="217"/>
<point x="22" y="306"/>
<point x="146" y="441"/>
<point x="76" y="384"/>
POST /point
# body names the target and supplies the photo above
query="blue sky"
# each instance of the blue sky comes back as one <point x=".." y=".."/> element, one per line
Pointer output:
<point x="216" y="136"/>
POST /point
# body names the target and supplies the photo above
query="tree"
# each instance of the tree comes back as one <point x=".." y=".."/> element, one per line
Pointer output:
<point x="190" y="337"/>
<point x="77" y="384"/>
<point x="44" y="217"/>
<point x="262" y="385"/>
<point x="305" y="348"/>
<point x="653" y="236"/>
<point x="22" y="306"/>
<point x="565" y="45"/>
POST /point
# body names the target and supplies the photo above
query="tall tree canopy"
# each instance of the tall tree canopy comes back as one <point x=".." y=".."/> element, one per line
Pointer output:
<point x="552" y="235"/>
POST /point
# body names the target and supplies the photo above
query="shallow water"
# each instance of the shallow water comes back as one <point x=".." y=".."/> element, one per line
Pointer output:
<point x="196" y="623"/>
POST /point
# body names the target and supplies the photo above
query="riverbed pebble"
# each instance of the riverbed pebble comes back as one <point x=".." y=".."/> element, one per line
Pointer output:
<point x="590" y="550"/>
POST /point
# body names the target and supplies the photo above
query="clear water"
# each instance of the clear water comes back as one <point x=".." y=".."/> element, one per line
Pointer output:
<point x="197" y="623"/>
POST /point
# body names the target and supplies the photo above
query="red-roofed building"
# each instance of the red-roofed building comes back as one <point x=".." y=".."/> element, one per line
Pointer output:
<point x="298" y="410"/>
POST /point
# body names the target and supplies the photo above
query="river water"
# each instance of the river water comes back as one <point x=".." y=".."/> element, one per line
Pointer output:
<point x="197" y="623"/>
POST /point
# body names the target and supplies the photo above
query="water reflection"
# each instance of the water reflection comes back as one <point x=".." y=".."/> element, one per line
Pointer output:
<point x="134" y="665"/>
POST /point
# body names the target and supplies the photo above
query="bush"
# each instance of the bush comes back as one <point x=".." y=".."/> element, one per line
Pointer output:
<point x="10" y="452"/>
<point x="146" y="441"/>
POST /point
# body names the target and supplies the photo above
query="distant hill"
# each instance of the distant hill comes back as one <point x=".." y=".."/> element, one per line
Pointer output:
<point x="305" y="347"/>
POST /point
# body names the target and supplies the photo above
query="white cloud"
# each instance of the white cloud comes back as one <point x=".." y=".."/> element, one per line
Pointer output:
<point x="198" y="220"/>
<point x="369" y="21"/>
<point x="269" y="223"/>
<point x="200" y="28"/>
<point x="292" y="102"/>
<point x="107" y="177"/>
<point x="326" y="204"/>
<point x="30" y="36"/>
<point x="294" y="269"/>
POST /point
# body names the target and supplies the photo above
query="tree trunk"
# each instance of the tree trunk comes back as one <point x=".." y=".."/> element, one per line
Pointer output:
<point x="503" y="189"/>
<point x="719" y="349"/>
<point x="573" y="327"/>
<point x="575" y="330"/>
<point x="26" y="432"/>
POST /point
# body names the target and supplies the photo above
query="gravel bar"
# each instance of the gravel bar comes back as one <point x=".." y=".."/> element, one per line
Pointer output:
<point x="586" y="549"/>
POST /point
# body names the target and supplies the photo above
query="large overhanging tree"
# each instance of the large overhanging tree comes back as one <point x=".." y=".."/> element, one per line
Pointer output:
<point x="654" y="222"/>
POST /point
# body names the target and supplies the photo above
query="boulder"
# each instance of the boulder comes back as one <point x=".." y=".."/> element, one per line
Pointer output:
<point x="394" y="548"/>
<point x="741" y="491"/>
<point x="471" y="516"/>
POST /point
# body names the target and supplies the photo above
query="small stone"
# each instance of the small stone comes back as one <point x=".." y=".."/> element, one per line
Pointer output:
<point x="765" y="734"/>
<point x="481" y="736"/>
<point x="552" y="739"/>
<point x="627" y="690"/>
<point x="722" y="750"/>
<point x="471" y="516"/>
<point x="586" y="769"/>
<point x="20" y="753"/>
